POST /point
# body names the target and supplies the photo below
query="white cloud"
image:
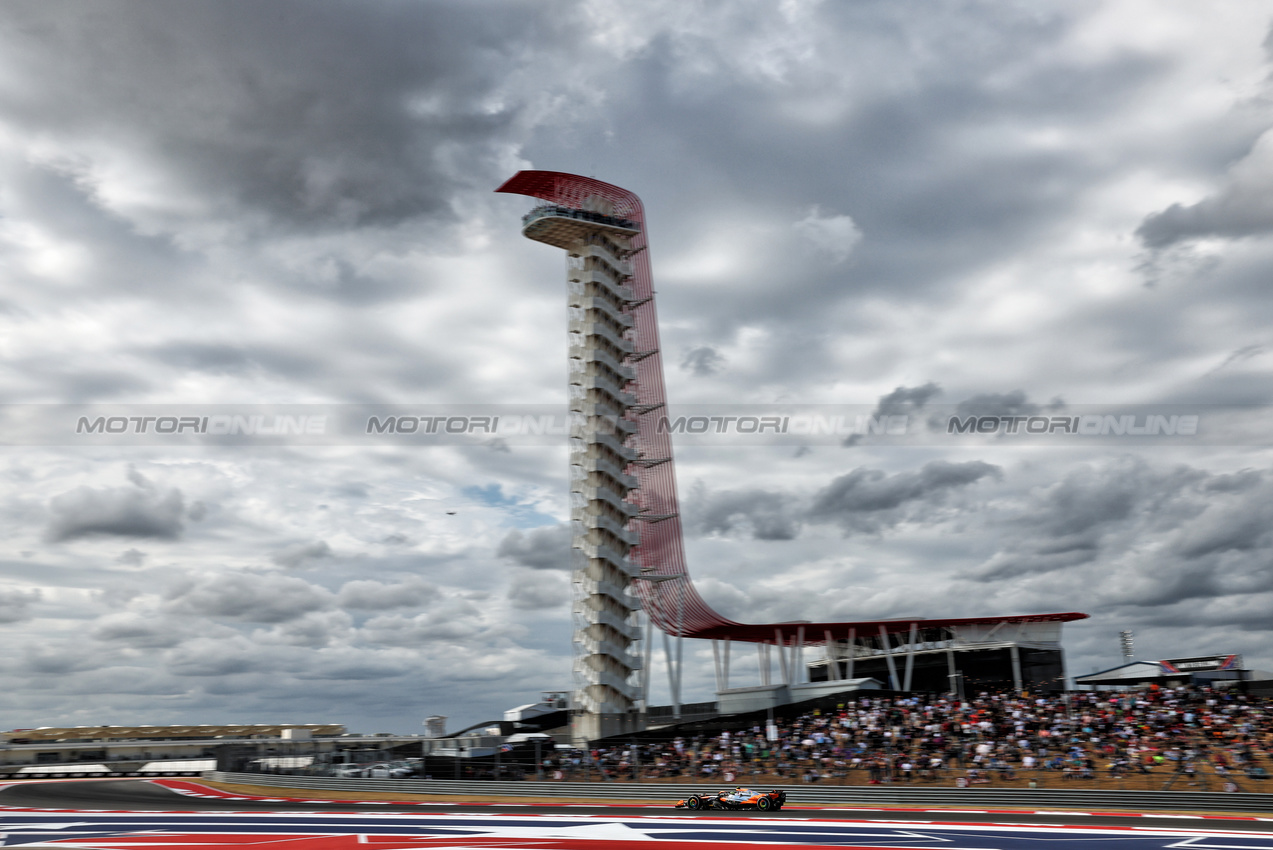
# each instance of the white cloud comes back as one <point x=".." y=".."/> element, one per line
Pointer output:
<point x="834" y="235"/>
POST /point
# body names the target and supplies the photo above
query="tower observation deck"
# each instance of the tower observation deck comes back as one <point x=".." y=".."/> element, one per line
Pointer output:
<point x="627" y="548"/>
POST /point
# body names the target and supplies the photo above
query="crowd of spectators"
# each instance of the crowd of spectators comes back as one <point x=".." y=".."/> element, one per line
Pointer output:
<point x="1188" y="734"/>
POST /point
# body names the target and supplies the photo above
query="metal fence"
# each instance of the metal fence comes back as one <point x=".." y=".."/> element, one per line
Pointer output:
<point x="797" y="794"/>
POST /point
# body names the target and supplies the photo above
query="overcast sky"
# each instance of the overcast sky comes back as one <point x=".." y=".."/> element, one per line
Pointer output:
<point x="1004" y="207"/>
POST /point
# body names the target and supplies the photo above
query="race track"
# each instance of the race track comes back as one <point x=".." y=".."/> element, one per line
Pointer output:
<point x="140" y="814"/>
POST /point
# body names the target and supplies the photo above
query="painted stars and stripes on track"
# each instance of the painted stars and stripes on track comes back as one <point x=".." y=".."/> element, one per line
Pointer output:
<point x="337" y="831"/>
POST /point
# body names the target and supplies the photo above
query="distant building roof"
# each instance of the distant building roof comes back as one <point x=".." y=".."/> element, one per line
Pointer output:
<point x="1137" y="671"/>
<point x="165" y="733"/>
<point x="815" y="633"/>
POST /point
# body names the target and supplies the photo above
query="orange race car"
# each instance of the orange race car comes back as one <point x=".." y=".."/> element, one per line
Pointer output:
<point x="739" y="798"/>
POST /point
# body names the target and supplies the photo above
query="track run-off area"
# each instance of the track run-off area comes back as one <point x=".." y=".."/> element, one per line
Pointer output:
<point x="130" y="813"/>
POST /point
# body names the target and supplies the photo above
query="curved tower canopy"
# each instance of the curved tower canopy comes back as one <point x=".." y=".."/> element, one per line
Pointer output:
<point x="626" y="522"/>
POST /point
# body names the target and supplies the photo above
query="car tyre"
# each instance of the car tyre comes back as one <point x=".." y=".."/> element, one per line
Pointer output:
<point x="694" y="803"/>
<point x="764" y="804"/>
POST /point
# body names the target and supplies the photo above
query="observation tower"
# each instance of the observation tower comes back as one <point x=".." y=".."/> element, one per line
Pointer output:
<point x="626" y="544"/>
<point x="627" y="549"/>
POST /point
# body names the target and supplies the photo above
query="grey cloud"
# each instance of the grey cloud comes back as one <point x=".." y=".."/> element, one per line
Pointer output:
<point x="546" y="548"/>
<point x="1048" y="558"/>
<point x="539" y="591"/>
<point x="767" y="515"/>
<point x="301" y="553"/>
<point x="862" y="500"/>
<point x="928" y="207"/>
<point x="1180" y="584"/>
<point x="223" y="358"/>
<point x="15" y="605"/>
<point x="901" y="401"/>
<point x="90" y="385"/>
<point x="1241" y="355"/>
<point x="1235" y="482"/>
<point x="345" y="664"/>
<point x="216" y="658"/>
<point x="1083" y="500"/>
<point x="1247" y="611"/>
<point x="369" y="595"/>
<point x="317" y="115"/>
<point x="1240" y="208"/>
<point x="1065" y="524"/>
<point x="1145" y="536"/>
<point x="352" y="490"/>
<point x="834" y="235"/>
<point x="703" y="361"/>
<point x="453" y="619"/>
<point x="119" y="679"/>
<point x="906" y="399"/>
<point x="131" y="557"/>
<point x="1224" y="216"/>
<point x="248" y="597"/>
<point x="998" y="404"/>
<point x="1246" y="526"/>
<point x="142" y="631"/>
<point x="59" y="659"/>
<point x="314" y="630"/>
<point x="140" y="511"/>
<point x="868" y="499"/>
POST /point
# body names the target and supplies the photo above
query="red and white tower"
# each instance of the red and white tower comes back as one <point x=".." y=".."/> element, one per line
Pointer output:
<point x="598" y="239"/>
<point x="626" y="541"/>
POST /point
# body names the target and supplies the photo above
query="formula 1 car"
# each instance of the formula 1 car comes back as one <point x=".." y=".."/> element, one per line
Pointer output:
<point x="739" y="798"/>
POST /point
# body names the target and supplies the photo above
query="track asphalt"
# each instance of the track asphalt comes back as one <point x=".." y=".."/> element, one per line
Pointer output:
<point x="168" y="812"/>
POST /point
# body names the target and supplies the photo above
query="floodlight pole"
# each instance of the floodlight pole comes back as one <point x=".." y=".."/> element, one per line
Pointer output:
<point x="1127" y="641"/>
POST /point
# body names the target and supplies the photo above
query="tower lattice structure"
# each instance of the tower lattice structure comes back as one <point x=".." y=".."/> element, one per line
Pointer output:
<point x="604" y="417"/>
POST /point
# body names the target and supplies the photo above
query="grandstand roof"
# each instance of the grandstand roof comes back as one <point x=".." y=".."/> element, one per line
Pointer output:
<point x="165" y="733"/>
<point x="816" y="633"/>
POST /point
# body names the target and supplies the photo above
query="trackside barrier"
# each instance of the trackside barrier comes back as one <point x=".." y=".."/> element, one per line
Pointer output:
<point x="797" y="795"/>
